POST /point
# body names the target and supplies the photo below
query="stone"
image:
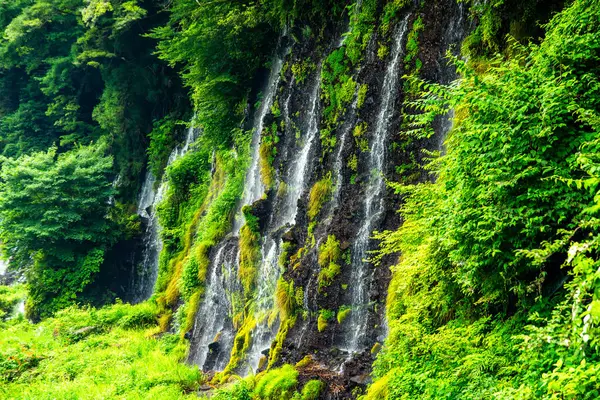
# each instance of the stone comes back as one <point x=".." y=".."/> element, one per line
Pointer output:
<point x="84" y="331"/>
<point x="214" y="346"/>
<point x="363" y="379"/>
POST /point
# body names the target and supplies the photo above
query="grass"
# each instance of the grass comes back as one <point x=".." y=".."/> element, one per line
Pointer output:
<point x="89" y="353"/>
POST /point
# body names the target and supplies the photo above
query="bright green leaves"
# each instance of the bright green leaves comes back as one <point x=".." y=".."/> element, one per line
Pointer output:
<point x="55" y="207"/>
<point x="515" y="199"/>
<point x="124" y="13"/>
<point x="94" y="10"/>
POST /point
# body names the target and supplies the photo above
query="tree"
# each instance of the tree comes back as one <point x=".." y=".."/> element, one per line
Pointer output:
<point x="54" y="221"/>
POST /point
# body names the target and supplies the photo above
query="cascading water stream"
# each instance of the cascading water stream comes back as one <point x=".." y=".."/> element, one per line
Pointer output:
<point x="453" y="36"/>
<point x="374" y="206"/>
<point x="3" y="267"/>
<point x="145" y="278"/>
<point x="213" y="333"/>
<point x="6" y="279"/>
<point x="253" y="187"/>
<point x="284" y="216"/>
<point x="338" y="166"/>
<point x="213" y="338"/>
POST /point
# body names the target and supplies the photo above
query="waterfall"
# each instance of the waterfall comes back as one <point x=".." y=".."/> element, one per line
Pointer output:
<point x="299" y="168"/>
<point x="3" y="266"/>
<point x="145" y="278"/>
<point x="212" y="338"/>
<point x="284" y="216"/>
<point x="374" y="206"/>
<point x="253" y="187"/>
<point x="213" y="328"/>
<point x="453" y="36"/>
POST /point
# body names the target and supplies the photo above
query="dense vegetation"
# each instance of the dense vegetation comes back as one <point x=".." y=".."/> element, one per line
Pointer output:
<point x="496" y="293"/>
<point x="76" y="73"/>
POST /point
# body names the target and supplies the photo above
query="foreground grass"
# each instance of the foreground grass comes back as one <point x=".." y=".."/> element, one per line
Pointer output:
<point x="110" y="353"/>
<point x="116" y="352"/>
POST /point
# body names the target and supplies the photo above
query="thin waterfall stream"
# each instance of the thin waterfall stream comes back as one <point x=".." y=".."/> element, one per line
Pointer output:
<point x="374" y="206"/>
<point x="284" y="216"/>
<point x="213" y="331"/>
<point x="144" y="279"/>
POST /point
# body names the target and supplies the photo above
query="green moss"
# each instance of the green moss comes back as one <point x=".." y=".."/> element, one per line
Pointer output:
<point x="249" y="245"/>
<point x="241" y="344"/>
<point x="305" y="362"/>
<point x="379" y="389"/>
<point x="267" y="153"/>
<point x="275" y="108"/>
<point x="312" y="389"/>
<point x="343" y="313"/>
<point x="376" y="348"/>
<point x="353" y="163"/>
<point x="286" y="248"/>
<point x="320" y="193"/>
<point x="302" y="70"/>
<point x="362" y="95"/>
<point x="383" y="51"/>
<point x="277" y="384"/>
<point x="329" y="255"/>
<point x="282" y="189"/>
<point x="324" y="317"/>
<point x="285" y="298"/>
<point x="277" y="344"/>
<point x="299" y="295"/>
<point x="359" y="136"/>
<point x="191" y="307"/>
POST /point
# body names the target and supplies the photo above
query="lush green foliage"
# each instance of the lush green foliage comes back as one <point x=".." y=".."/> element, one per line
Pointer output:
<point x="54" y="211"/>
<point x="478" y="305"/>
<point x="76" y="73"/>
<point x="74" y="70"/>
<point x="94" y="354"/>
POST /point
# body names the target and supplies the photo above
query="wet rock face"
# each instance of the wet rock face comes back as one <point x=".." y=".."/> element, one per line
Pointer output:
<point x="359" y="203"/>
<point x="445" y="25"/>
